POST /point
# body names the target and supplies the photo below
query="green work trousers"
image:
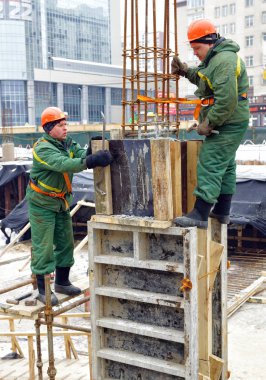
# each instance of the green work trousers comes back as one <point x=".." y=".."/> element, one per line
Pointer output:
<point x="52" y="239"/>
<point x="216" y="170"/>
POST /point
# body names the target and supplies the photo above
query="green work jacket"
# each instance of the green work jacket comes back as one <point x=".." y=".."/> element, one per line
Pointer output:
<point x="52" y="158"/>
<point x="222" y="75"/>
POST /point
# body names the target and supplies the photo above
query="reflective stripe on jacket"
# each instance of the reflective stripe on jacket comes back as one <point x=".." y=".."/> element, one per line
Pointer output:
<point x="51" y="159"/>
<point x="222" y="75"/>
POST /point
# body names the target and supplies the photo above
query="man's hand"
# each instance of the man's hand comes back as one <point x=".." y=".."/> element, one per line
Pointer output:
<point x="101" y="158"/>
<point x="204" y="129"/>
<point x="178" y="68"/>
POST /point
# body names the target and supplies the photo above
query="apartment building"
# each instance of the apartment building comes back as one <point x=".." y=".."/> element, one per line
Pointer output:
<point x="243" y="21"/>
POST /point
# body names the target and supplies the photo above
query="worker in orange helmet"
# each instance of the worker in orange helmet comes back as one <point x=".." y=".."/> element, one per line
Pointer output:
<point x="49" y="194"/>
<point x="222" y="82"/>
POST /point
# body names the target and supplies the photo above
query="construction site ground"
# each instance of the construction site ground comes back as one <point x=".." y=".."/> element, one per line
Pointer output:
<point x="247" y="326"/>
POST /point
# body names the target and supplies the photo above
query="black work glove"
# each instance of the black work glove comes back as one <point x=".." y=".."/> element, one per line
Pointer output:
<point x="100" y="158"/>
<point x="204" y="128"/>
<point x="89" y="151"/>
<point x="178" y="68"/>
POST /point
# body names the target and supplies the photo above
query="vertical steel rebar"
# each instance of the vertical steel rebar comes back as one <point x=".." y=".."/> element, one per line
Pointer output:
<point x="39" y="363"/>
<point x="132" y="104"/>
<point x="124" y="98"/>
<point x="164" y="59"/>
<point x="167" y="58"/>
<point x="176" y="52"/>
<point x="155" y="55"/>
<point x="49" y="320"/>
<point x="136" y="52"/>
<point x="146" y="60"/>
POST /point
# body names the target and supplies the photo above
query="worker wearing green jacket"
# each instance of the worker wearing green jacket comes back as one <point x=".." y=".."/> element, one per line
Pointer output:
<point x="222" y="83"/>
<point x="49" y="194"/>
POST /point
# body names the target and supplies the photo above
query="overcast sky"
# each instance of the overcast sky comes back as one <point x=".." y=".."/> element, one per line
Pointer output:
<point x="141" y="14"/>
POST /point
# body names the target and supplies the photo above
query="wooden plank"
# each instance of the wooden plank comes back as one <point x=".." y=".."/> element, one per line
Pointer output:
<point x="43" y="333"/>
<point x="167" y="266"/>
<point x="31" y="354"/>
<point x="216" y="367"/>
<point x="142" y="361"/>
<point x="131" y="221"/>
<point x="202" y="377"/>
<point x="176" y="231"/>
<point x="184" y="175"/>
<point x="204" y="303"/>
<point x="95" y="275"/>
<point x="140" y="296"/>
<point x="257" y="299"/>
<point x="131" y="177"/>
<point x="216" y="251"/>
<point x="219" y="298"/>
<point x="161" y="179"/>
<point x="193" y="149"/>
<point x="142" y="329"/>
<point x="175" y="149"/>
<point x="245" y="294"/>
<point x="102" y="184"/>
<point x="191" y="325"/>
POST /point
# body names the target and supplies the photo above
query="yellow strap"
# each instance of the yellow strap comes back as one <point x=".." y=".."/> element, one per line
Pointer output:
<point x="54" y="189"/>
<point x="203" y="77"/>
<point x="238" y="66"/>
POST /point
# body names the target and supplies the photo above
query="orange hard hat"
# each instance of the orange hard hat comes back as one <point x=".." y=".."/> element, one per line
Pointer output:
<point x="52" y="114"/>
<point x="200" y="28"/>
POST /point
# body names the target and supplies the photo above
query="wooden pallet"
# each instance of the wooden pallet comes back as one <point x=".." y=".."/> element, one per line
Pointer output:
<point x="142" y="323"/>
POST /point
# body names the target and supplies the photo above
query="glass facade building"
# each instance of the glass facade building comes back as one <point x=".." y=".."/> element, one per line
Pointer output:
<point x="50" y="50"/>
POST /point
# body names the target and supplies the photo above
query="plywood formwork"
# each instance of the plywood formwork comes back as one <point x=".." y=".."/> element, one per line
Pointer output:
<point x="142" y="322"/>
<point x="153" y="178"/>
<point x="158" y="300"/>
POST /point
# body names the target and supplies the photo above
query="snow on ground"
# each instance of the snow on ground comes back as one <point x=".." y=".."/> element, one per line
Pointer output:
<point x="251" y="152"/>
<point x="12" y="271"/>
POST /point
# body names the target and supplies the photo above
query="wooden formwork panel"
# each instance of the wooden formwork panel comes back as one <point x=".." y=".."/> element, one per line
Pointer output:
<point x="143" y="324"/>
<point x="148" y="178"/>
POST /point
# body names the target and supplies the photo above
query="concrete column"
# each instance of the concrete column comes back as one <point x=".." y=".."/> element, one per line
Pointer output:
<point x="60" y="96"/>
<point x="31" y="103"/>
<point x="107" y="105"/>
<point x="84" y="105"/>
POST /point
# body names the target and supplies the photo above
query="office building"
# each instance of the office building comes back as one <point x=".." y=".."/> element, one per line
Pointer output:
<point x="64" y="53"/>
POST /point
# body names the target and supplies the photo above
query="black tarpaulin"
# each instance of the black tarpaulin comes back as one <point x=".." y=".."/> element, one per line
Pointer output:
<point x="10" y="172"/>
<point x="82" y="187"/>
<point x="249" y="205"/>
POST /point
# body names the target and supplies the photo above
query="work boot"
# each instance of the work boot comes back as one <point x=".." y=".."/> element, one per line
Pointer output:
<point x="221" y="210"/>
<point x="62" y="284"/>
<point x="198" y="217"/>
<point x="41" y="287"/>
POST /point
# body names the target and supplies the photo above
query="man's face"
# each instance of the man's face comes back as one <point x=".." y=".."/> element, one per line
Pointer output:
<point x="200" y="50"/>
<point x="59" y="131"/>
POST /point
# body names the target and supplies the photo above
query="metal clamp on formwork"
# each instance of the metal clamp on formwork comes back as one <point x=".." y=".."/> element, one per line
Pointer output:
<point x="186" y="284"/>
